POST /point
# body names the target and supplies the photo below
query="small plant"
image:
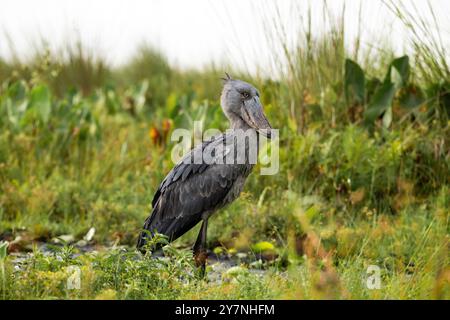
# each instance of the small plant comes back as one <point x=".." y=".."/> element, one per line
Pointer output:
<point x="380" y="102"/>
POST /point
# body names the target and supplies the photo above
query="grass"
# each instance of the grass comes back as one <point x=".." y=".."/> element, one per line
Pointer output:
<point x="363" y="181"/>
<point x="412" y="271"/>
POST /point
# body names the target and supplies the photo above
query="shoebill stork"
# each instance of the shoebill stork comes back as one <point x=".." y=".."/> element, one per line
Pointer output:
<point x="193" y="191"/>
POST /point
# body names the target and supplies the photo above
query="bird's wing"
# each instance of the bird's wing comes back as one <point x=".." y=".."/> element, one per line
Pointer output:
<point x="188" y="191"/>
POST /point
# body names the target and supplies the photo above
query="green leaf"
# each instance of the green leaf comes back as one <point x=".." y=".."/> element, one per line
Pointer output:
<point x="3" y="250"/>
<point x="17" y="91"/>
<point x="354" y="81"/>
<point x="263" y="246"/>
<point x="398" y="72"/>
<point x="381" y="101"/>
<point x="387" y="117"/>
<point x="40" y="100"/>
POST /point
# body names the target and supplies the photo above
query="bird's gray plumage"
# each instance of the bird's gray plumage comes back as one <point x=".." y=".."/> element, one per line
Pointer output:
<point x="192" y="191"/>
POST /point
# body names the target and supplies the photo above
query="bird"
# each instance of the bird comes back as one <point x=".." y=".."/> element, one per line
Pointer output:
<point x="194" y="190"/>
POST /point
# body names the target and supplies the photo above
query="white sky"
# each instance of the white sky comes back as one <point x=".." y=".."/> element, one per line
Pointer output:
<point x="192" y="33"/>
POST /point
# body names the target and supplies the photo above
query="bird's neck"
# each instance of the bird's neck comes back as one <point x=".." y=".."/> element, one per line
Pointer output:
<point x="237" y="123"/>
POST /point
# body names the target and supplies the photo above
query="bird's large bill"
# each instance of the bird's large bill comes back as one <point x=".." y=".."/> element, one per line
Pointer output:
<point x="254" y="115"/>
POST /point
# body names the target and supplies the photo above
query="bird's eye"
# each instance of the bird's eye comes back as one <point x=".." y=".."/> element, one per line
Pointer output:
<point x="246" y="95"/>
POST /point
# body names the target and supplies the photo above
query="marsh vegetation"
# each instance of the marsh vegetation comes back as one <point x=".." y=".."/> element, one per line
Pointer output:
<point x="364" y="175"/>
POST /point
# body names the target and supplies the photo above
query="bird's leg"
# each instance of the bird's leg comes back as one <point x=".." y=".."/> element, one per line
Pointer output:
<point x="200" y="248"/>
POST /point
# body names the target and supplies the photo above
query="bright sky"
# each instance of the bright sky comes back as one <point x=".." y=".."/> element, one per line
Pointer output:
<point x="192" y="33"/>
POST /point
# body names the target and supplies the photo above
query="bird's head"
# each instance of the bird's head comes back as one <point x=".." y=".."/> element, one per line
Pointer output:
<point x="240" y="103"/>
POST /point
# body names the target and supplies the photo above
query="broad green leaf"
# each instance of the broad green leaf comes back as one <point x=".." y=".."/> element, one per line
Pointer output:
<point x="354" y="81"/>
<point x="398" y="72"/>
<point x="381" y="101"/>
<point x="41" y="101"/>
